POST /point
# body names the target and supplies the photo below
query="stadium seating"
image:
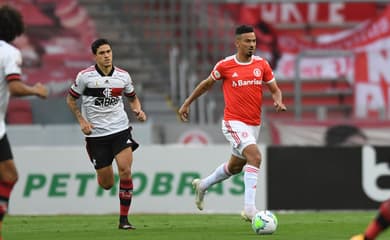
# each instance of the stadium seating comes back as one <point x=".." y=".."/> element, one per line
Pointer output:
<point x="19" y="112"/>
<point x="143" y="33"/>
<point x="332" y="97"/>
<point x="321" y="99"/>
<point x="54" y="48"/>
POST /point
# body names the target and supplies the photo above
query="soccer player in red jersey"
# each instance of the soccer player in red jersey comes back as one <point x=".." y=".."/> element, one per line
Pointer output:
<point x="377" y="225"/>
<point x="105" y="123"/>
<point x="11" y="26"/>
<point x="242" y="76"/>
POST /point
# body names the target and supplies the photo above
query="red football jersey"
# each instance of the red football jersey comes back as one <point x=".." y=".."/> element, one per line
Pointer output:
<point x="242" y="87"/>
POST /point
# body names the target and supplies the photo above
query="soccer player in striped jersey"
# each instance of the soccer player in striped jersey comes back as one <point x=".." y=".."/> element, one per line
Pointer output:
<point x="378" y="225"/>
<point x="105" y="123"/>
<point x="11" y="26"/>
<point x="242" y="76"/>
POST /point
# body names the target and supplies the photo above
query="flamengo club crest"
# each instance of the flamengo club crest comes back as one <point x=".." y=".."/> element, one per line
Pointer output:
<point x="107" y="92"/>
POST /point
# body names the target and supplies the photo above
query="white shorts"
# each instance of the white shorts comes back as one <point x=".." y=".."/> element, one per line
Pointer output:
<point x="240" y="135"/>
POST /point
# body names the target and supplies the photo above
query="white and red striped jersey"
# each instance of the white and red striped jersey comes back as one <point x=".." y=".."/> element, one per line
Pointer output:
<point x="242" y="87"/>
<point x="10" y="69"/>
<point x="102" y="103"/>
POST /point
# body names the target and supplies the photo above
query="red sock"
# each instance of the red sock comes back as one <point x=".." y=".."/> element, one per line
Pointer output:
<point x="380" y="223"/>
<point x="5" y="192"/>
<point x="125" y="195"/>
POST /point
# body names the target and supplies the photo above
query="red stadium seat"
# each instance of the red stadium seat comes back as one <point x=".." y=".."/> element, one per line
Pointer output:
<point x="19" y="112"/>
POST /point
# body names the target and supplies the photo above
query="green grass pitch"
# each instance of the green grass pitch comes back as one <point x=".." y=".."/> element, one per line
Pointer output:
<point x="320" y="225"/>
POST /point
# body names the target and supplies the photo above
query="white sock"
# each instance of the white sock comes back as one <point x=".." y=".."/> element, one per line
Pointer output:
<point x="250" y="182"/>
<point x="220" y="173"/>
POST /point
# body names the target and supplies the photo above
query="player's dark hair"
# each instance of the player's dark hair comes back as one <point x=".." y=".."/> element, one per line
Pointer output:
<point x="243" y="29"/>
<point x="11" y="23"/>
<point x="336" y="135"/>
<point x="97" y="43"/>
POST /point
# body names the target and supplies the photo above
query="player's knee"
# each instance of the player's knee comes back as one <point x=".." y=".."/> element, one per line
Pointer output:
<point x="254" y="160"/>
<point x="258" y="158"/>
<point x="124" y="172"/>
<point x="105" y="184"/>
<point x="252" y="155"/>
<point x="14" y="178"/>
<point x="10" y="177"/>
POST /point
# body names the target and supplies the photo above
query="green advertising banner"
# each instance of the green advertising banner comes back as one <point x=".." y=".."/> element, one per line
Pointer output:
<point x="61" y="180"/>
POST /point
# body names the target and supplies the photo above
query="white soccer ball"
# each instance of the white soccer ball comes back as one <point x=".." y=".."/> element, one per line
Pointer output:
<point x="264" y="222"/>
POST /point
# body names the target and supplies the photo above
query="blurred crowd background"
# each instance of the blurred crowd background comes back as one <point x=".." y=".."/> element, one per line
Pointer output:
<point x="331" y="60"/>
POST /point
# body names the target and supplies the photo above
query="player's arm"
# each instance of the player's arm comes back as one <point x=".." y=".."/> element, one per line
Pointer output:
<point x="200" y="89"/>
<point x="135" y="106"/>
<point x="19" y="89"/>
<point x="276" y="94"/>
<point x="86" y="127"/>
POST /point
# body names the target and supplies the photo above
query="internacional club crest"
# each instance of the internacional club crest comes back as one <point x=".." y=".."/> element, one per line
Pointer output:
<point x="257" y="72"/>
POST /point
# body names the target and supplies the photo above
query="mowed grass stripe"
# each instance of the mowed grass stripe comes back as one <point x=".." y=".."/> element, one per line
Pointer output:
<point x="292" y="226"/>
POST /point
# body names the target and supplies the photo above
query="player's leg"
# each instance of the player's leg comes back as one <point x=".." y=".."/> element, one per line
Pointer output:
<point x="8" y="177"/>
<point x="251" y="170"/>
<point x="124" y="161"/>
<point x="245" y="148"/>
<point x="101" y="156"/>
<point x="377" y="225"/>
<point x="220" y="174"/>
<point x="223" y="172"/>
<point x="105" y="177"/>
<point x="123" y="148"/>
<point x="380" y="223"/>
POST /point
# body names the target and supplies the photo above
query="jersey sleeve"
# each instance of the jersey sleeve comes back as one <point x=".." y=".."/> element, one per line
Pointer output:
<point x="129" y="90"/>
<point x="78" y="86"/>
<point x="268" y="73"/>
<point x="12" y="68"/>
<point x="217" y="71"/>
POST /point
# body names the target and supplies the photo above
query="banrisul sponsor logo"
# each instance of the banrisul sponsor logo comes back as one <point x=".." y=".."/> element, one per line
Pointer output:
<point x="242" y="83"/>
<point x="159" y="184"/>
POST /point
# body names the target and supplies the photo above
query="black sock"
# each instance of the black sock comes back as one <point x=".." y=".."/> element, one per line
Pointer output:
<point x="123" y="219"/>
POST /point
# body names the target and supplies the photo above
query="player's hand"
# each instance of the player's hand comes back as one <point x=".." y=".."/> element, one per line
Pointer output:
<point x="40" y="90"/>
<point x="184" y="112"/>
<point x="86" y="127"/>
<point x="141" y="116"/>
<point x="280" y="107"/>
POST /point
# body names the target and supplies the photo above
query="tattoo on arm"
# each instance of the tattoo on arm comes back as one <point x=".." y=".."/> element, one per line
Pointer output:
<point x="73" y="107"/>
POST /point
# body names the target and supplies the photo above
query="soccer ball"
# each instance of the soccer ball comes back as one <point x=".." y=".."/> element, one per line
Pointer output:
<point x="264" y="222"/>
